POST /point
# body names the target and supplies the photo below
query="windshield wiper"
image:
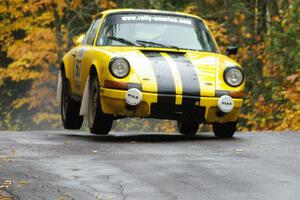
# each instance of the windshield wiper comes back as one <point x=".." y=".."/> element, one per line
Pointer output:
<point x="124" y="41"/>
<point x="157" y="44"/>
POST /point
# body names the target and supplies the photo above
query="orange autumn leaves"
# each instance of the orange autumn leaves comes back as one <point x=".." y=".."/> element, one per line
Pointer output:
<point x="29" y="37"/>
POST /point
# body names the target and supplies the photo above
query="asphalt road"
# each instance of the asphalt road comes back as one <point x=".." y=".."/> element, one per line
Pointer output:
<point x="77" y="165"/>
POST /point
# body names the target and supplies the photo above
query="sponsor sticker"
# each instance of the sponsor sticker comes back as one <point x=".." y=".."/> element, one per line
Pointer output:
<point x="133" y="97"/>
<point x="225" y="104"/>
<point x="157" y="18"/>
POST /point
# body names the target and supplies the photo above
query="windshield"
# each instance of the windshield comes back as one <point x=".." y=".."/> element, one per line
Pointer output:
<point x="154" y="30"/>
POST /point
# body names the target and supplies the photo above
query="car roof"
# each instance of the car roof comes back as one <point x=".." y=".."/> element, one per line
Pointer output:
<point x="148" y="11"/>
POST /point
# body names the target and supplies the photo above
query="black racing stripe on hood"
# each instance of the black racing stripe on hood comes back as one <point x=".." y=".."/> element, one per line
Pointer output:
<point x="164" y="78"/>
<point x="189" y="78"/>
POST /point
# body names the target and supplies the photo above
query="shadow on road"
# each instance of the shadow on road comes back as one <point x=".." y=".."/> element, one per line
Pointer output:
<point x="147" y="138"/>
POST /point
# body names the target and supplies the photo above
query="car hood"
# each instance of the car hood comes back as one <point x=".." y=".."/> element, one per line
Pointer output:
<point x="169" y="72"/>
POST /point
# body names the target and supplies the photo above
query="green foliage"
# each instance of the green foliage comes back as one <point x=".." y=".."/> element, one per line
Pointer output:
<point x="277" y="107"/>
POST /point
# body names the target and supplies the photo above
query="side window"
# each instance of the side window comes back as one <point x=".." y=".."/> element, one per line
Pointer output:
<point x="92" y="32"/>
<point x="87" y="33"/>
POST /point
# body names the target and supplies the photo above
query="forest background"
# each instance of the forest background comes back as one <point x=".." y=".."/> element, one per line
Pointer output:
<point x="35" y="34"/>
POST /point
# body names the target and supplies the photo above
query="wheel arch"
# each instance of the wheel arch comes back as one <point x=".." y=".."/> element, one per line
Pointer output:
<point x="95" y="70"/>
<point x="65" y="68"/>
<point x="62" y="69"/>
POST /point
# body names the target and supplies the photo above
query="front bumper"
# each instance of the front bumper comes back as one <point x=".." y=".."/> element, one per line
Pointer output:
<point x="205" y="109"/>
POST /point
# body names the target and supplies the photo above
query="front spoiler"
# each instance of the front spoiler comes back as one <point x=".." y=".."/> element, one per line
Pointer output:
<point x="205" y="109"/>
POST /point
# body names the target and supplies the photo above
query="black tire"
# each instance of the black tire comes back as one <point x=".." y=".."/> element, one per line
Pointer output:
<point x="69" y="108"/>
<point x="225" y="130"/>
<point x="187" y="127"/>
<point x="99" y="123"/>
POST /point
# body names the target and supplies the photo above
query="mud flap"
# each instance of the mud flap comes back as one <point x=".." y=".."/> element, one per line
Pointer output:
<point x="59" y="87"/>
<point x="85" y="98"/>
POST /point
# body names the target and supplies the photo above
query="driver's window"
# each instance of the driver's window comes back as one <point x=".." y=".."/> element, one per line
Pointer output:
<point x="91" y="33"/>
<point x="87" y="33"/>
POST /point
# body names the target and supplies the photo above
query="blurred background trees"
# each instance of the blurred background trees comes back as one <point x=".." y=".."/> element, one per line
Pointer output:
<point x="34" y="35"/>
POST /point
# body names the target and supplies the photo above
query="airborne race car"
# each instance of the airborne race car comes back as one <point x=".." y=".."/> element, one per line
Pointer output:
<point x="149" y="63"/>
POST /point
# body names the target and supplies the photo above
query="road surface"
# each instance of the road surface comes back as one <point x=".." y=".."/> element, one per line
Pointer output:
<point x="58" y="165"/>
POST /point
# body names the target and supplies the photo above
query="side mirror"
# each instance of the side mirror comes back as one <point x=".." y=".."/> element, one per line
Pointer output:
<point x="231" y="51"/>
<point x="79" y="39"/>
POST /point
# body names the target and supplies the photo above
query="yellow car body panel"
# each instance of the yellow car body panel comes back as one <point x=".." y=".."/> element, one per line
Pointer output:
<point x="209" y="68"/>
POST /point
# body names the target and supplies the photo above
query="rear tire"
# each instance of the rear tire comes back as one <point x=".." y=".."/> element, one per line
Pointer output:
<point x="99" y="123"/>
<point x="69" y="108"/>
<point x="225" y="130"/>
<point x="188" y="127"/>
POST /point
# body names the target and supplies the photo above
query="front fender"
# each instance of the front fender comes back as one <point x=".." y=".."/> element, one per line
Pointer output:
<point x="66" y="65"/>
<point x="102" y="67"/>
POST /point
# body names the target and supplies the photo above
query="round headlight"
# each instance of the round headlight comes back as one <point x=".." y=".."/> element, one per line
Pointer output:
<point x="233" y="76"/>
<point x="119" y="67"/>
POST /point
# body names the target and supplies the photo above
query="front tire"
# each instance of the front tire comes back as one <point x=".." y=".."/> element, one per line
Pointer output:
<point x="69" y="108"/>
<point x="99" y="123"/>
<point x="188" y="127"/>
<point x="224" y="130"/>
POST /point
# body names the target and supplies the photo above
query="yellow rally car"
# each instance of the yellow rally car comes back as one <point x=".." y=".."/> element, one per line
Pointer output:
<point x="149" y="63"/>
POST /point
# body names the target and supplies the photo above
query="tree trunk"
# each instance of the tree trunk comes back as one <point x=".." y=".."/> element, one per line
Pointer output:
<point x="261" y="17"/>
<point x="250" y="16"/>
<point x="261" y="28"/>
<point x="285" y="4"/>
<point x="59" y="34"/>
<point x="273" y="8"/>
<point x="230" y="12"/>
<point x="200" y="5"/>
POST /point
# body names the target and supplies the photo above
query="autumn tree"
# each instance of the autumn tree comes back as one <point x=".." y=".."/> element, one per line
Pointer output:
<point x="34" y="36"/>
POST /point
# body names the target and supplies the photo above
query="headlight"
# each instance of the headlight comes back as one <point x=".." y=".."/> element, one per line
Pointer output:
<point x="233" y="76"/>
<point x="119" y="67"/>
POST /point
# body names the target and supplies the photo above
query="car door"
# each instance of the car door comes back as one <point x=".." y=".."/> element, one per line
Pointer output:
<point x="85" y="56"/>
<point x="77" y="54"/>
